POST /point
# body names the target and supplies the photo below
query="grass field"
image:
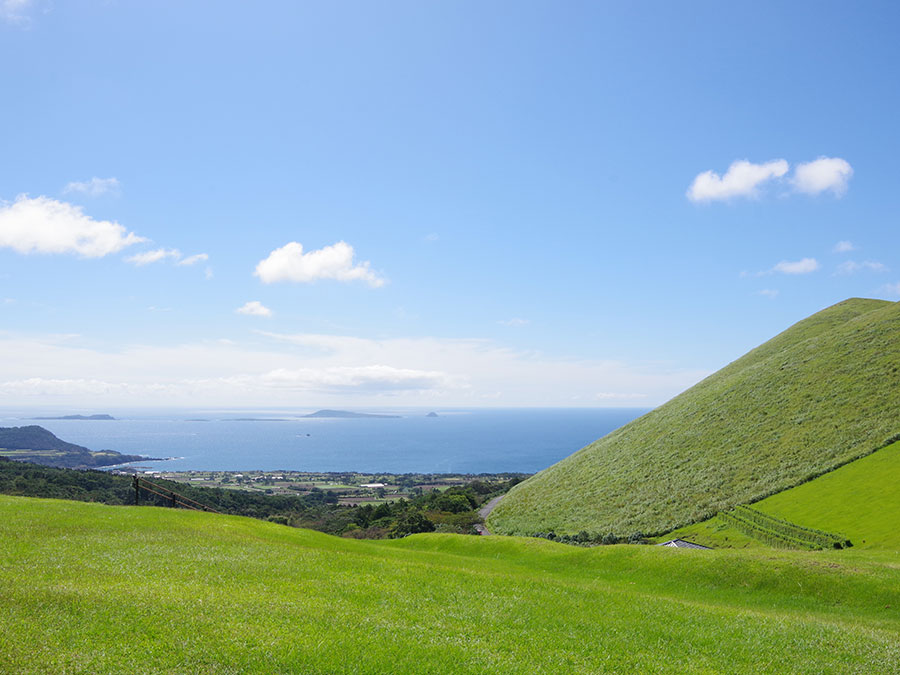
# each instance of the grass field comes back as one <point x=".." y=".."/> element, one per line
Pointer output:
<point x="86" y="588"/>
<point x="824" y="392"/>
<point x="860" y="500"/>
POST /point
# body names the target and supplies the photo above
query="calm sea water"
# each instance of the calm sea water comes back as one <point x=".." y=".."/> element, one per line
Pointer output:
<point x="457" y="441"/>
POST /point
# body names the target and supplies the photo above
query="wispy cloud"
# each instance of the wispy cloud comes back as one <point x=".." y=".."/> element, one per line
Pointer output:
<point x="318" y="370"/>
<point x="742" y="179"/>
<point x="805" y="266"/>
<point x="843" y="247"/>
<point x="768" y="293"/>
<point x="290" y="263"/>
<point x="95" y="187"/>
<point x="515" y="322"/>
<point x="254" y="308"/>
<point x="16" y="11"/>
<point x="157" y="255"/>
<point x="44" y="225"/>
<point x="891" y="289"/>
<point x="161" y="254"/>
<point x="358" y="379"/>
<point x="851" y="267"/>
<point x="194" y="259"/>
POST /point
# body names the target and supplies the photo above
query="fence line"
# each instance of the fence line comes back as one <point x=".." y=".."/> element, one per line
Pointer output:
<point x="174" y="498"/>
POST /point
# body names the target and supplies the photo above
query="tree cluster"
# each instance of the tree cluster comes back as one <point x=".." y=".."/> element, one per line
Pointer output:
<point x="452" y="510"/>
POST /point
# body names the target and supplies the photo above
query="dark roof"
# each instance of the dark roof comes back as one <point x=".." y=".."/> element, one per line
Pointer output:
<point x="681" y="543"/>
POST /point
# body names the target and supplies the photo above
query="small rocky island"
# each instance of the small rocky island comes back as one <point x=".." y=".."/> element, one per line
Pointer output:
<point x="77" y="417"/>
<point x="431" y="414"/>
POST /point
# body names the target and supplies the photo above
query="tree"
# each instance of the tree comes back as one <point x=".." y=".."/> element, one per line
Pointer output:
<point x="411" y="522"/>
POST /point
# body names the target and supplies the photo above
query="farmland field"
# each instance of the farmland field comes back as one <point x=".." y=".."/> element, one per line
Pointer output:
<point x="860" y="500"/>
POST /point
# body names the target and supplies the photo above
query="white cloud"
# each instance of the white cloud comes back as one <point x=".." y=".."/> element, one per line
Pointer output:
<point x="824" y="173"/>
<point x="290" y="263"/>
<point x="254" y="308"/>
<point x="768" y="293"/>
<point x="317" y="371"/>
<point x="742" y="179"/>
<point x="891" y="289"/>
<point x="193" y="259"/>
<point x="44" y="225"/>
<point x="843" y="247"/>
<point x="15" y="11"/>
<point x="95" y="187"/>
<point x="157" y="255"/>
<point x="515" y="322"/>
<point x="804" y="266"/>
<point x="378" y="378"/>
<point x="160" y="254"/>
<point x="851" y="267"/>
<point x="612" y="395"/>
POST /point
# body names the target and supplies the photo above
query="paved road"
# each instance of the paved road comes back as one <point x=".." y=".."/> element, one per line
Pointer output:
<point x="484" y="511"/>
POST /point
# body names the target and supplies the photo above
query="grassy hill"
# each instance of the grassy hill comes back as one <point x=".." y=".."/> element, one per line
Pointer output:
<point x="860" y="500"/>
<point x="88" y="588"/>
<point x="35" y="444"/>
<point x="822" y="393"/>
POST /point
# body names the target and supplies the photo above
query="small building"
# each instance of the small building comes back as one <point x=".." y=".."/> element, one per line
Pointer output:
<point x="373" y="485"/>
<point x="681" y="543"/>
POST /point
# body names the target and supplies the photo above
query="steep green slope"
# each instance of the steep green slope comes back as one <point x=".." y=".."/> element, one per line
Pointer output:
<point x="860" y="500"/>
<point x="818" y="395"/>
<point x="36" y="444"/>
<point x="86" y="588"/>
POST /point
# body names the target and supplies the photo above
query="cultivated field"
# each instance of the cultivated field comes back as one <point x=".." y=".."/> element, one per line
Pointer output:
<point x="860" y="500"/>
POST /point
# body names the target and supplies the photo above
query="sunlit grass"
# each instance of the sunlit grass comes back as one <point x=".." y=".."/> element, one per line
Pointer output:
<point x="861" y="500"/>
<point x="97" y="589"/>
<point x="821" y="394"/>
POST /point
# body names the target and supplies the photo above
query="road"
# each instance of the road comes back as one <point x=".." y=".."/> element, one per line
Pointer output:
<point x="484" y="511"/>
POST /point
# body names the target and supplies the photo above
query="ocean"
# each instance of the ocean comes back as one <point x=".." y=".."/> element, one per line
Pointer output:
<point x="456" y="441"/>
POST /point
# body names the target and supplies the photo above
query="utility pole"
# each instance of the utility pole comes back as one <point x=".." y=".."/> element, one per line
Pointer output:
<point x="135" y="483"/>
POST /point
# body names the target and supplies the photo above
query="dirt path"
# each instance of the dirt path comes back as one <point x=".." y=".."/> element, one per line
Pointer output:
<point x="484" y="511"/>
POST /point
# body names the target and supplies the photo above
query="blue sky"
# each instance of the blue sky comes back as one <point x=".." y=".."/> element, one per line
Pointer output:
<point x="408" y="203"/>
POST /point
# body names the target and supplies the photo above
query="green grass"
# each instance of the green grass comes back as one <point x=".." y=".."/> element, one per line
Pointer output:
<point x="823" y="393"/>
<point x="860" y="500"/>
<point x="87" y="588"/>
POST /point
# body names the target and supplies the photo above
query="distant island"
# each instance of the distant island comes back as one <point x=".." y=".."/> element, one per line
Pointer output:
<point x="39" y="446"/>
<point x="346" y="414"/>
<point x="431" y="414"/>
<point x="77" y="417"/>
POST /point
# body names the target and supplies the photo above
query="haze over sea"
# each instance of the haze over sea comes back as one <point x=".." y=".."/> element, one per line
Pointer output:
<point x="456" y="441"/>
